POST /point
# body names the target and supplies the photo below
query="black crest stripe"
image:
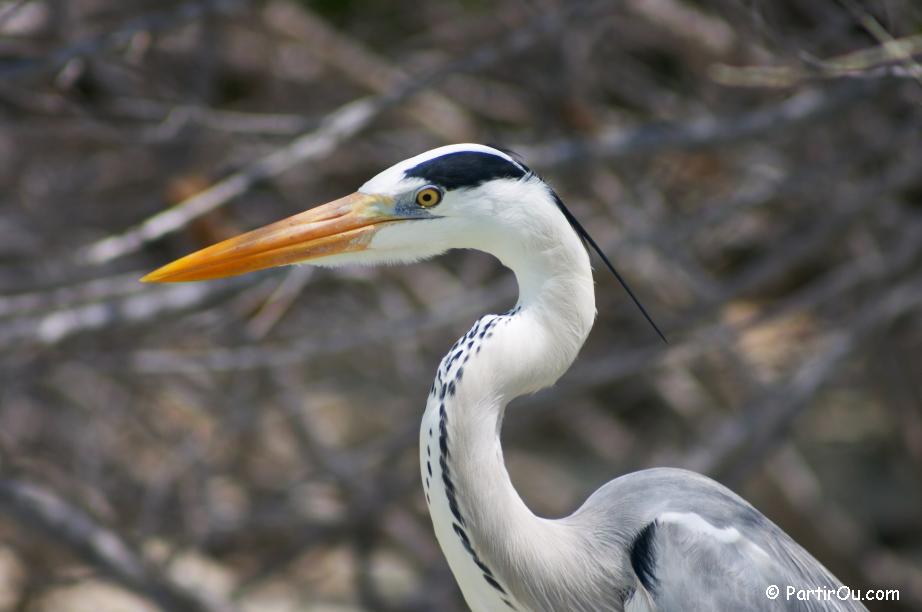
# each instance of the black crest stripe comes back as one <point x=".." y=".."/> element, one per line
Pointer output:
<point x="465" y="169"/>
<point x="472" y="168"/>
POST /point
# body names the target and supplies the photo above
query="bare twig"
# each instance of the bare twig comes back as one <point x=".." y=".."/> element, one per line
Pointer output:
<point x="135" y="308"/>
<point x="867" y="63"/>
<point x="63" y="297"/>
<point x="153" y="22"/>
<point x="899" y="50"/>
<point x="265" y="355"/>
<point x="10" y="11"/>
<point x="338" y="127"/>
<point x="753" y="433"/>
<point x="806" y="105"/>
<point x="435" y="112"/>
<point x="40" y="508"/>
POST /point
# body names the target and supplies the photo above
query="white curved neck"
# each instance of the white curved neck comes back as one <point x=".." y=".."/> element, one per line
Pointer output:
<point x="497" y="548"/>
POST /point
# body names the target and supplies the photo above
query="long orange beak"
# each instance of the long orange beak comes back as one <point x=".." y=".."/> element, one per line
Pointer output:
<point x="342" y="226"/>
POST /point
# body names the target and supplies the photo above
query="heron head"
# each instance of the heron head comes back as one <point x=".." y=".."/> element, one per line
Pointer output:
<point x="464" y="196"/>
<point x="458" y="196"/>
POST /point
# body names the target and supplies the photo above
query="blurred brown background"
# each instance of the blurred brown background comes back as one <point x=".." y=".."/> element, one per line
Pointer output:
<point x="754" y="168"/>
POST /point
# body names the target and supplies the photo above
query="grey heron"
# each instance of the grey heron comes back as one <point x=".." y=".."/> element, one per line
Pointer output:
<point x="659" y="539"/>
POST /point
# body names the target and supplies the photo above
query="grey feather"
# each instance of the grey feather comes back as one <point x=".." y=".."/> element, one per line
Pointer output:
<point x="695" y="571"/>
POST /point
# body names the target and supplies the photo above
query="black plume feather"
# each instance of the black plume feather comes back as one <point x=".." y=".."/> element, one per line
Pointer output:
<point x="582" y="233"/>
<point x="587" y="239"/>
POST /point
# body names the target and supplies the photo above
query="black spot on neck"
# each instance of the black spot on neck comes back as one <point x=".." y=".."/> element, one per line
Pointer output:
<point x="465" y="169"/>
<point x="643" y="557"/>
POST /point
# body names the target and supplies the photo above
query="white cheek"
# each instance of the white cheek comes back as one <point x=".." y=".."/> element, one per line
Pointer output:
<point x="392" y="236"/>
<point x="411" y="240"/>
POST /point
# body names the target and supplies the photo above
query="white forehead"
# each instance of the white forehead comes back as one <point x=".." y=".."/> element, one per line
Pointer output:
<point x="393" y="180"/>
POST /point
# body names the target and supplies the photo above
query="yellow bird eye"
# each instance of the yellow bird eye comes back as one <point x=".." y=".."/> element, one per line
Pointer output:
<point x="427" y="197"/>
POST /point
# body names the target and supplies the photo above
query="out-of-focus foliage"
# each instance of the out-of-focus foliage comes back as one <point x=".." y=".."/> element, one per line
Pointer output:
<point x="754" y="168"/>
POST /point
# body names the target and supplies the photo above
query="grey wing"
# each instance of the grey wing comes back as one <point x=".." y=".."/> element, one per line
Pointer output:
<point x="694" y="545"/>
<point x="684" y="562"/>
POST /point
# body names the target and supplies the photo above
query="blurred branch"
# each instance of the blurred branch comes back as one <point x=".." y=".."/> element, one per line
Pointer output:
<point x="42" y="509"/>
<point x="836" y="286"/>
<point x="875" y="62"/>
<point x="63" y="297"/>
<point x="152" y="23"/>
<point x="898" y="50"/>
<point x="335" y="129"/>
<point x="438" y="114"/>
<point x="804" y="106"/>
<point x="256" y="437"/>
<point x="48" y="329"/>
<point x="10" y="10"/>
<point x="234" y="122"/>
<point x="688" y="22"/>
<point x="280" y="301"/>
<point x="742" y="442"/>
<point x="266" y="355"/>
<point x="338" y="127"/>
